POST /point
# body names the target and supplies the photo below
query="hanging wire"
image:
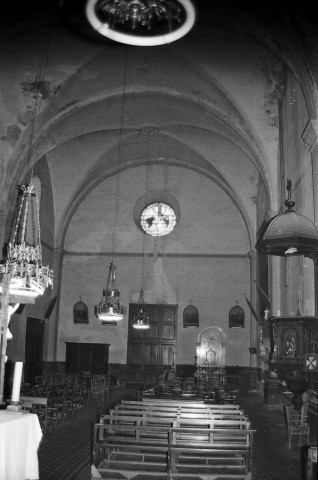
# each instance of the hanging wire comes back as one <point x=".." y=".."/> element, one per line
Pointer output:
<point x="39" y="79"/>
<point x="146" y="202"/>
<point x="119" y="153"/>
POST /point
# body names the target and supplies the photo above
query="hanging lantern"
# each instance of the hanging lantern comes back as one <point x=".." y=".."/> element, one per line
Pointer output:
<point x="141" y="317"/>
<point x="110" y="309"/>
<point x="23" y="258"/>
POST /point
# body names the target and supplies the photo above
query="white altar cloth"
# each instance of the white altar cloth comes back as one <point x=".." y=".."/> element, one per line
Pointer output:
<point x="20" y="436"/>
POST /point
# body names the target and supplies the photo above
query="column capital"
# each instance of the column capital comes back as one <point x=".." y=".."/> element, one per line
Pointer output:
<point x="251" y="255"/>
<point x="310" y="135"/>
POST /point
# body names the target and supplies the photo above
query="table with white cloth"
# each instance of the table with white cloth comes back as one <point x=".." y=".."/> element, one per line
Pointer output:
<point x="20" y="436"/>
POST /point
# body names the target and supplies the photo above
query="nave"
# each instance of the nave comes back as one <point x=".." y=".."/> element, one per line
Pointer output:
<point x="63" y="458"/>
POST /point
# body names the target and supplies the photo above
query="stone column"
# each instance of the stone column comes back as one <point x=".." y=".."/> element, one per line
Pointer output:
<point x="54" y="321"/>
<point x="3" y="220"/>
<point x="254" y="340"/>
<point x="310" y="138"/>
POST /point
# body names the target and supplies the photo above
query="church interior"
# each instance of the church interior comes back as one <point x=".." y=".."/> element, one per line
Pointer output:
<point x="159" y="203"/>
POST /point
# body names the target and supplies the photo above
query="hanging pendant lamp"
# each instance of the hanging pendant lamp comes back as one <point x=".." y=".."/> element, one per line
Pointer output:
<point x="110" y="309"/>
<point x="289" y="233"/>
<point x="23" y="254"/>
<point x="23" y="258"/>
<point x="141" y="317"/>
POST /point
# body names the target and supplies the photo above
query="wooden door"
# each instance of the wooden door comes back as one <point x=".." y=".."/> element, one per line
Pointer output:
<point x="87" y="357"/>
<point x="33" y="349"/>
<point x="148" y="351"/>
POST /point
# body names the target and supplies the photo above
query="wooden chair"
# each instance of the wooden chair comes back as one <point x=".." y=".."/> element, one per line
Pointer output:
<point x="295" y="426"/>
<point x="97" y="390"/>
<point x="38" y="405"/>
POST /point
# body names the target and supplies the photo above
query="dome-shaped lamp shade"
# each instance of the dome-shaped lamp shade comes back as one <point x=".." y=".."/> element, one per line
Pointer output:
<point x="289" y="234"/>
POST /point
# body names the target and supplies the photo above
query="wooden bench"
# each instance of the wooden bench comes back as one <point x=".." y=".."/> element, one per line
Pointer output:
<point x="177" y="405"/>
<point x="181" y="408"/>
<point x="212" y="458"/>
<point x="179" y="413"/>
<point x="149" y="421"/>
<point x="129" y="451"/>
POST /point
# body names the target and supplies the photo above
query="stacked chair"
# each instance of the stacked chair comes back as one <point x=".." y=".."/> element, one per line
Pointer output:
<point x="58" y="397"/>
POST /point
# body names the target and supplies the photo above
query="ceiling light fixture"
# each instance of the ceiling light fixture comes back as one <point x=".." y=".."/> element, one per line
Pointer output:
<point x="23" y="257"/>
<point x="141" y="318"/>
<point x="141" y="22"/>
<point x="23" y="253"/>
<point x="110" y="308"/>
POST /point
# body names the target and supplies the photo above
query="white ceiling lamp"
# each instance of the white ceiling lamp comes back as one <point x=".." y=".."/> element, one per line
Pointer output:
<point x="110" y="309"/>
<point x="141" y="318"/>
<point x="22" y="263"/>
<point x="23" y="257"/>
<point x="141" y="22"/>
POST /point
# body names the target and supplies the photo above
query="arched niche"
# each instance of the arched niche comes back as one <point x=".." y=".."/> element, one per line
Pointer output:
<point x="210" y="346"/>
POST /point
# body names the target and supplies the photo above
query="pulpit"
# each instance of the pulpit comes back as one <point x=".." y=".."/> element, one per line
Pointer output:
<point x="292" y="339"/>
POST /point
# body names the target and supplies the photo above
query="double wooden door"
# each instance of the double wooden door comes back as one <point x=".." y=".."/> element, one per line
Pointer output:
<point x="87" y="357"/>
<point x="151" y="350"/>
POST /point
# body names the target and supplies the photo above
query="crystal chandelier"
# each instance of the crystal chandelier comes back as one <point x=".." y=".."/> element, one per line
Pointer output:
<point x="110" y="309"/>
<point x="141" y="22"/>
<point x="141" y="317"/>
<point x="23" y="258"/>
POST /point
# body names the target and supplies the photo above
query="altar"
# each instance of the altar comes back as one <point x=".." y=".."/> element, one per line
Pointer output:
<point x="20" y="436"/>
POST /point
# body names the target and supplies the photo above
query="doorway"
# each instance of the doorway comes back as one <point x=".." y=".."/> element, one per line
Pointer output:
<point x="149" y="351"/>
<point x="33" y="349"/>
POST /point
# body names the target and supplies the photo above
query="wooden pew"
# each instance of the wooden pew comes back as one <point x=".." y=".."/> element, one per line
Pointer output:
<point x="213" y="457"/>
<point x="181" y="408"/>
<point x="168" y="455"/>
<point x="179" y="413"/>
<point x="174" y="405"/>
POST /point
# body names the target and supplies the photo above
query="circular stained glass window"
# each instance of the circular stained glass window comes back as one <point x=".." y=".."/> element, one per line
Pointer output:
<point x="158" y="219"/>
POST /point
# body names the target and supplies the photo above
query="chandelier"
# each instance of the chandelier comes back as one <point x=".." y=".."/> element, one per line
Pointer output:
<point x="141" y="317"/>
<point x="141" y="22"/>
<point x="110" y="309"/>
<point x="23" y="257"/>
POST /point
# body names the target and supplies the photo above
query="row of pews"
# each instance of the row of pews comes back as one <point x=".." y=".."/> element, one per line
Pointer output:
<point x="166" y="439"/>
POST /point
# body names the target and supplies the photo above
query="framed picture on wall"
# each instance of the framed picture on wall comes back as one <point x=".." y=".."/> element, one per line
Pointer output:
<point x="236" y="317"/>
<point x="190" y="316"/>
<point x="80" y="312"/>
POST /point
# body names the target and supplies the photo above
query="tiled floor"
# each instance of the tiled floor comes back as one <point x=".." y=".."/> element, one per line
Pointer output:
<point x="65" y="453"/>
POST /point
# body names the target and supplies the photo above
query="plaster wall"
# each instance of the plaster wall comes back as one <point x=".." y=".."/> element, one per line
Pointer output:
<point x="209" y="222"/>
<point x="212" y="284"/>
